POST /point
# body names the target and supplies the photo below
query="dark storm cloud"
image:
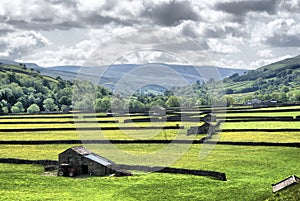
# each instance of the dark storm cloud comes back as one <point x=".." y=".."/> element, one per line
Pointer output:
<point x="63" y="15"/>
<point x="170" y="14"/>
<point x="241" y="8"/>
<point x="97" y="20"/>
<point x="283" y="40"/>
<point x="189" y="30"/>
<point x="44" y="25"/>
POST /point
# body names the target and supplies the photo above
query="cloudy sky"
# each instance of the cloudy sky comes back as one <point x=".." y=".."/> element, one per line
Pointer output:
<point x="239" y="34"/>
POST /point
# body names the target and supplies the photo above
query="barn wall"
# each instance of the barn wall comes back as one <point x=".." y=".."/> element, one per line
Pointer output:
<point x="71" y="157"/>
<point x="77" y="160"/>
<point x="95" y="168"/>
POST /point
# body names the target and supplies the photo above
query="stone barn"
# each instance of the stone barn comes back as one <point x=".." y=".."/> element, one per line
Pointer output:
<point x="79" y="160"/>
<point x="206" y="128"/>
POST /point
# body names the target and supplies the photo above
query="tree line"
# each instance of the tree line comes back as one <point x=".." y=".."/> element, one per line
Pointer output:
<point x="34" y="93"/>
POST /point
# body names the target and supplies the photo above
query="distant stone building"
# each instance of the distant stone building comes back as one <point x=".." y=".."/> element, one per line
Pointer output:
<point x="254" y="102"/>
<point x="79" y="160"/>
<point x="285" y="183"/>
<point x="208" y="127"/>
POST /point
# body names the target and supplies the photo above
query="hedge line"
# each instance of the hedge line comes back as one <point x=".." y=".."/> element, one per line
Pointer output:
<point x="42" y="142"/>
<point x="213" y="174"/>
<point x="91" y="128"/>
<point x="57" y="122"/>
<point x="23" y="161"/>
<point x="260" y="130"/>
<point x="216" y="175"/>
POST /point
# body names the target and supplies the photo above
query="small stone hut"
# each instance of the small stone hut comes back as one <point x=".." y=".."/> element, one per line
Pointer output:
<point x="86" y="162"/>
<point x="207" y="128"/>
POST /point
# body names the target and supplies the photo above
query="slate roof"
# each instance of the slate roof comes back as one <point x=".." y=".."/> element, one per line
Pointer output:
<point x="92" y="156"/>
<point x="81" y="150"/>
<point x="98" y="159"/>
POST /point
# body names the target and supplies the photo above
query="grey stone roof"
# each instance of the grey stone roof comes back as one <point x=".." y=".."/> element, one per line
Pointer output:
<point x="92" y="156"/>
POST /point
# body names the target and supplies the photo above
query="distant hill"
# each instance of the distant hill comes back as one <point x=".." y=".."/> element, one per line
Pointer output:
<point x="22" y="70"/>
<point x="115" y="72"/>
<point x="278" y="81"/>
<point x="109" y="76"/>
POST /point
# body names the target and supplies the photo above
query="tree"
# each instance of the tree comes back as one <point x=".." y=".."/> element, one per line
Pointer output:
<point x="34" y="108"/>
<point x="285" y="89"/>
<point x="17" y="108"/>
<point x="135" y="105"/>
<point x="283" y="97"/>
<point x="158" y="103"/>
<point x="173" y="102"/>
<point x="119" y="103"/>
<point x="5" y="110"/>
<point x="49" y="105"/>
<point x="296" y="97"/>
<point x="102" y="104"/>
<point x="229" y="101"/>
<point x="3" y="107"/>
<point x="65" y="100"/>
<point x="229" y="91"/>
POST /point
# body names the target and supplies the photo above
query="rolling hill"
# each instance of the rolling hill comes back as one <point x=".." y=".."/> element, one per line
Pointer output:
<point x="24" y="89"/>
<point x="109" y="76"/>
<point x="277" y="81"/>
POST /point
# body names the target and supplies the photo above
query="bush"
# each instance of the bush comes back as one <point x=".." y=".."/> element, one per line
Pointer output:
<point x="4" y="110"/>
<point x="49" y="105"/>
<point x="15" y="109"/>
<point x="173" y="102"/>
<point x="32" y="109"/>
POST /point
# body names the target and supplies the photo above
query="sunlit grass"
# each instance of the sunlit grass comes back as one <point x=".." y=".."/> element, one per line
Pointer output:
<point x="260" y="136"/>
<point x="250" y="172"/>
<point x="39" y="135"/>
<point x="33" y="152"/>
<point x="261" y="125"/>
<point x="263" y="114"/>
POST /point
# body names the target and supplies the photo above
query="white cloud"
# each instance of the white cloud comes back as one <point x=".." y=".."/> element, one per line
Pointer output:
<point x="221" y="48"/>
<point x="18" y="44"/>
<point x="265" y="53"/>
<point x="264" y="62"/>
<point x="230" y="63"/>
<point x="225" y="29"/>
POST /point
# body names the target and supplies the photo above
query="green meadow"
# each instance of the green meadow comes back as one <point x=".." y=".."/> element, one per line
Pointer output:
<point x="250" y="170"/>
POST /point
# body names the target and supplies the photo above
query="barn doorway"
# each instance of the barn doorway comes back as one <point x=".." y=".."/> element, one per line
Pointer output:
<point x="85" y="169"/>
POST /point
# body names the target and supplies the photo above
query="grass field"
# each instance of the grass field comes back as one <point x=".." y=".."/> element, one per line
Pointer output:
<point x="260" y="136"/>
<point x="250" y="170"/>
<point x="258" y="125"/>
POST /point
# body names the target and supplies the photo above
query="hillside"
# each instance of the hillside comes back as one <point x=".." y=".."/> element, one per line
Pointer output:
<point x="116" y="71"/>
<point x="50" y="89"/>
<point x="23" y="70"/>
<point x="24" y="89"/>
<point x="278" y="81"/>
